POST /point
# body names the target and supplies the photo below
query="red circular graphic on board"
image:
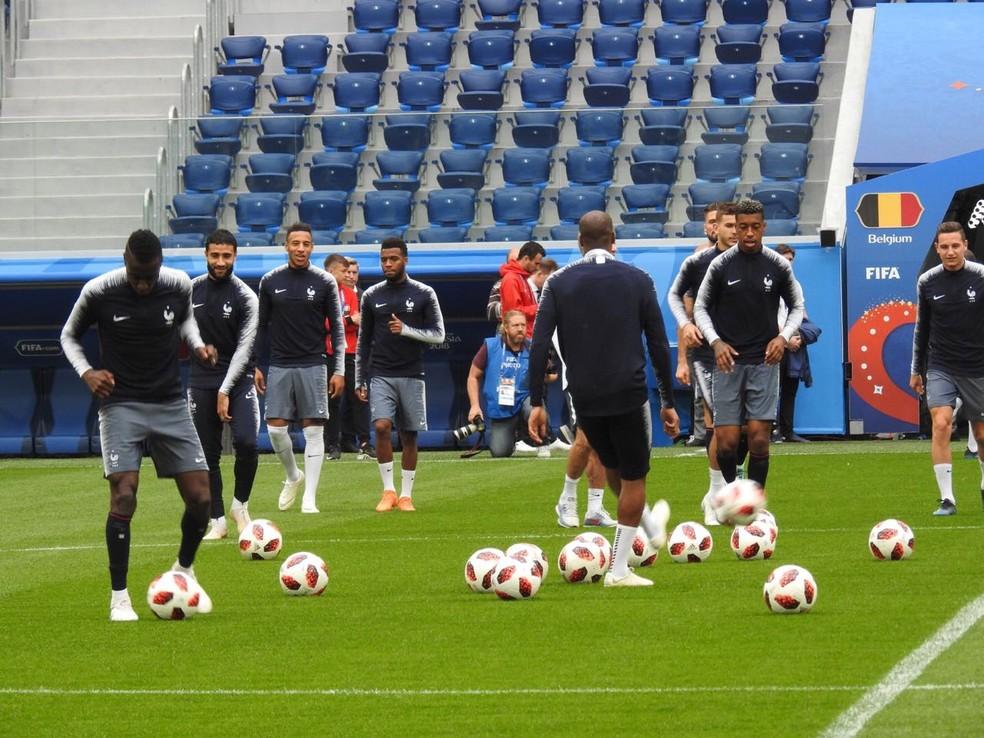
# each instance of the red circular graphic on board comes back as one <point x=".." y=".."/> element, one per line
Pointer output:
<point x="865" y="346"/>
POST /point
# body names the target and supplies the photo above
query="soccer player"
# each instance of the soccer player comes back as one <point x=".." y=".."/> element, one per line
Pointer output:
<point x="295" y="300"/>
<point x="337" y="266"/>
<point x="735" y="312"/>
<point x="600" y="307"/>
<point x="400" y="318"/>
<point x="226" y="313"/>
<point x="355" y="414"/>
<point x="582" y="460"/>
<point x="948" y="351"/>
<point x="143" y="313"/>
<point x="690" y="341"/>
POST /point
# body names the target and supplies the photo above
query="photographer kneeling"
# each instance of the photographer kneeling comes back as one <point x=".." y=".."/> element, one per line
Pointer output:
<point x="499" y="375"/>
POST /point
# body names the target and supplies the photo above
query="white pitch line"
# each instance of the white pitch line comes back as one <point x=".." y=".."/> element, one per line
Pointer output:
<point x="904" y="673"/>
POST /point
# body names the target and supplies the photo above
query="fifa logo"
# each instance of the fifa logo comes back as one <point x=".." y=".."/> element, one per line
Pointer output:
<point x="409" y="305"/>
<point x="310" y="293"/>
<point x="168" y="316"/>
<point x="971" y="294"/>
<point x="226" y="310"/>
<point x="767" y="281"/>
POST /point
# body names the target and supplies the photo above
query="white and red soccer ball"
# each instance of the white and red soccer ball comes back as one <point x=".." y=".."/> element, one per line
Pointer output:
<point x="260" y="539"/>
<point x="174" y="595"/>
<point x="480" y="567"/>
<point x="790" y="589"/>
<point x="597" y="539"/>
<point x="891" y="540"/>
<point x="582" y="561"/>
<point x="757" y="540"/>
<point x="739" y="502"/>
<point x="642" y="553"/>
<point x="303" y="573"/>
<point x="532" y="554"/>
<point x="689" y="542"/>
<point x="515" y="579"/>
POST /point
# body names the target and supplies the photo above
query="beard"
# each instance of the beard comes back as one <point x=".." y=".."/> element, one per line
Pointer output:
<point x="216" y="277"/>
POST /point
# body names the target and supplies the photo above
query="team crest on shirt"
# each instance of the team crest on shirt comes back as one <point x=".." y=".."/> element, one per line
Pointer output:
<point x="409" y="305"/>
<point x="168" y="316"/>
<point x="767" y="281"/>
<point x="227" y="310"/>
<point x="311" y="293"/>
<point x="971" y="295"/>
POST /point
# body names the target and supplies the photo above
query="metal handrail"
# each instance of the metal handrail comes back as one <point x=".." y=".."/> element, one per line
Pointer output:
<point x="150" y="219"/>
<point x="3" y="50"/>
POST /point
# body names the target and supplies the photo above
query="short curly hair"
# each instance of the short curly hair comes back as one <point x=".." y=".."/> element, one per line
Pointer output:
<point x="749" y="207"/>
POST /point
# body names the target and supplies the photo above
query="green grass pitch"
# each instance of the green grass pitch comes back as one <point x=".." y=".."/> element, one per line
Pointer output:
<point x="399" y="646"/>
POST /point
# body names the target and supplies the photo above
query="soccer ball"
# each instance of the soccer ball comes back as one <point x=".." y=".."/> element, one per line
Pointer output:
<point x="260" y="539"/>
<point x="642" y="552"/>
<point x="479" y="569"/>
<point x="765" y="515"/>
<point x="173" y="596"/>
<point x="599" y="540"/>
<point x="689" y="542"/>
<point x="303" y="574"/>
<point x="739" y="502"/>
<point x="532" y="554"/>
<point x="582" y="561"/>
<point x="790" y="589"/>
<point x="891" y="539"/>
<point x="757" y="540"/>
<point x="515" y="579"/>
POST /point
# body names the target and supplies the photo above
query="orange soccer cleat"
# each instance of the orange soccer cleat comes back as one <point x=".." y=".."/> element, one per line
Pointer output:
<point x="387" y="502"/>
<point x="405" y="504"/>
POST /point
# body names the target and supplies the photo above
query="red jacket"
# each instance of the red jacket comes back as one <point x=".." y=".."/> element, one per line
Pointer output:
<point x="350" y="305"/>
<point x="516" y="293"/>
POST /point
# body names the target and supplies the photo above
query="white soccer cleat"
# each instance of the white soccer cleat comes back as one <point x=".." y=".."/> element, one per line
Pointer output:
<point x="599" y="518"/>
<point x="522" y="447"/>
<point x="566" y="515"/>
<point x="710" y="517"/>
<point x="309" y="509"/>
<point x="661" y="516"/>
<point x="217" y="530"/>
<point x="121" y="609"/>
<point x="560" y="445"/>
<point x="240" y="514"/>
<point x="289" y="493"/>
<point x="631" y="579"/>
<point x="204" y="601"/>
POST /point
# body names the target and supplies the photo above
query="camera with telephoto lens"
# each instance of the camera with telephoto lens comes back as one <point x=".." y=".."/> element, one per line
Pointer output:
<point x="475" y="426"/>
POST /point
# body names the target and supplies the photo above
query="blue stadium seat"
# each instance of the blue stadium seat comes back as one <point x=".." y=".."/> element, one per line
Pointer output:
<point x="802" y="41"/>
<point x="781" y="227"/>
<point x="607" y="87"/>
<point x="295" y="93"/>
<point x="420" y="90"/>
<point x="378" y="235"/>
<point x="676" y="44"/>
<point x="779" y="203"/>
<point x="194" y="213"/>
<point x="535" y="129"/>
<point x="356" y="92"/>
<point x="599" y="127"/>
<point x="388" y="209"/>
<point x="437" y="15"/>
<point x="344" y="132"/>
<point x="451" y="207"/>
<point x="565" y="232"/>
<point x="671" y="86"/>
<point x="508" y="233"/>
<point x="656" y="164"/>
<point x="693" y="229"/>
<point x="639" y="231"/>
<point x="644" y="203"/>
<point x="324" y="211"/>
<point x="398" y="170"/>
<point x="462" y="168"/>
<point x="219" y="134"/>
<point x="739" y="43"/>
<point x="366" y="52"/>
<point x="334" y="171"/>
<point x="560" y="13"/>
<point x="683" y="12"/>
<point x="615" y="47"/>
<point x="733" y="84"/>
<point x="516" y="206"/>
<point x="206" y="173"/>
<point x="745" y="11"/>
<point x="726" y="124"/>
<point x="491" y="49"/>
<point x="553" y="47"/>
<point x="702" y="194"/>
<point x="254" y="238"/>
<point x="324" y="238"/>
<point x="270" y="172"/>
<point x="717" y="162"/>
<point x="480" y="89"/>
<point x="544" y="88"/>
<point x="232" y="94"/>
<point x="183" y="240"/>
<point x="574" y="202"/>
<point x="783" y="161"/>
<point x="410" y="132"/>
<point x="663" y="126"/>
<point x="472" y="130"/>
<point x="796" y="83"/>
<point x="377" y="16"/>
<point x="261" y="212"/>
<point x="429" y="51"/>
<point x="443" y="234"/>
<point x="305" y="54"/>
<point x="526" y="167"/>
<point x="281" y="134"/>
<point x="590" y="166"/>
<point x="809" y="11"/>
<point x="242" y="55"/>
<point x="789" y="123"/>
<point x="621" y="12"/>
<point x="861" y="4"/>
<point x="499" y="15"/>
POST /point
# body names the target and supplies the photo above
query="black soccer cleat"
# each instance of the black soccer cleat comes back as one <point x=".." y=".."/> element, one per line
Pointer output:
<point x="946" y="508"/>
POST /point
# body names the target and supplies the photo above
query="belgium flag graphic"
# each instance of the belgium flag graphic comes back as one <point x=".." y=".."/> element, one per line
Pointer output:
<point x="889" y="210"/>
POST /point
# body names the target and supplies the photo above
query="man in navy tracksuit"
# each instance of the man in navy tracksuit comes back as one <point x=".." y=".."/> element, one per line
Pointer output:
<point x="600" y="309"/>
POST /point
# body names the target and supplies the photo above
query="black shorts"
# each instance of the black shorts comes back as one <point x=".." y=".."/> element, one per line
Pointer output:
<point x="622" y="441"/>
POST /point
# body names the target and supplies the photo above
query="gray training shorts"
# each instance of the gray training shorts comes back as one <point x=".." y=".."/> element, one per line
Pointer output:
<point x="943" y="389"/>
<point x="399" y="399"/>
<point x="703" y="373"/>
<point x="750" y="392"/>
<point x="165" y="426"/>
<point x="297" y="392"/>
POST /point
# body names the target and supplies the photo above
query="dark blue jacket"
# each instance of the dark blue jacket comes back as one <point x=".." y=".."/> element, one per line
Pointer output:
<point x="798" y="362"/>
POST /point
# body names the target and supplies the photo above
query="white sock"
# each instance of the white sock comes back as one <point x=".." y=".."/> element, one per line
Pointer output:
<point x="717" y="480"/>
<point x="219" y="522"/>
<point x="982" y="472"/>
<point x="314" y="456"/>
<point x="119" y="596"/>
<point x="284" y="449"/>
<point x="944" y="480"/>
<point x="971" y="439"/>
<point x="621" y="549"/>
<point x="386" y="472"/>
<point x="595" y="496"/>
<point x="406" y="482"/>
<point x="237" y="505"/>
<point x="569" y="493"/>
